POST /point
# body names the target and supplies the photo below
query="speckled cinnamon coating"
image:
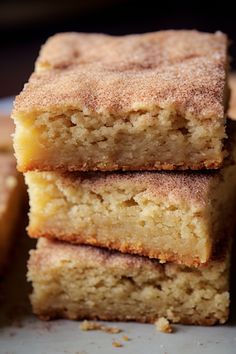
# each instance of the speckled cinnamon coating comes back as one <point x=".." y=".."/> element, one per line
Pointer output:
<point x="177" y="185"/>
<point x="89" y="254"/>
<point x="185" y="70"/>
<point x="85" y="253"/>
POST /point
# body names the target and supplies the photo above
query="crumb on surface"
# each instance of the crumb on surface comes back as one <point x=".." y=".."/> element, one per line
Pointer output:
<point x="117" y="344"/>
<point x="163" y="325"/>
<point x="95" y="326"/>
<point x="125" y="338"/>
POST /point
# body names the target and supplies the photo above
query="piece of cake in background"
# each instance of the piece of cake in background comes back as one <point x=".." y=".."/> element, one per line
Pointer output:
<point x="78" y="282"/>
<point x="7" y="128"/>
<point x="137" y="102"/>
<point x="177" y="216"/>
<point x="11" y="193"/>
<point x="232" y="103"/>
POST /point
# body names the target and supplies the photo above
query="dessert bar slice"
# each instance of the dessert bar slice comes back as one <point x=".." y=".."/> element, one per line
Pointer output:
<point x="137" y="102"/>
<point x="79" y="282"/>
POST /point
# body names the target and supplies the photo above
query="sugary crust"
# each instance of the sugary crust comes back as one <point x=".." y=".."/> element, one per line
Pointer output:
<point x="181" y="70"/>
<point x="176" y="185"/>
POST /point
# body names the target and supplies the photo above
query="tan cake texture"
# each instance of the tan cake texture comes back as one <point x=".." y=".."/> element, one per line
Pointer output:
<point x="10" y="197"/>
<point x="78" y="282"/>
<point x="172" y="216"/>
<point x="137" y="102"/>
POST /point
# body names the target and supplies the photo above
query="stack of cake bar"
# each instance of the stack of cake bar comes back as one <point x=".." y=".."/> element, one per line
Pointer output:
<point x="130" y="167"/>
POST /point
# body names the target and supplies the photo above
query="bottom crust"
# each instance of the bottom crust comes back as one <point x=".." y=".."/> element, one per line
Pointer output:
<point x="83" y="282"/>
<point x="144" y="319"/>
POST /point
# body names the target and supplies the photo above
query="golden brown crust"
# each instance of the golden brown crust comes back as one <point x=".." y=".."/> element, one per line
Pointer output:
<point x="97" y="73"/>
<point x="47" y="239"/>
<point x="43" y="166"/>
<point x="218" y="253"/>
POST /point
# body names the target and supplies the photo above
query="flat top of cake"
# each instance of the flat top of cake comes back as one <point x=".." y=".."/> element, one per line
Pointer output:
<point x="97" y="73"/>
<point x="181" y="186"/>
<point x="8" y="179"/>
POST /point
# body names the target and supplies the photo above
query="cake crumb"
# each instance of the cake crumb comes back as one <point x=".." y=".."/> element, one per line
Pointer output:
<point x="163" y="325"/>
<point x="117" y="344"/>
<point x="126" y="338"/>
<point x="95" y="326"/>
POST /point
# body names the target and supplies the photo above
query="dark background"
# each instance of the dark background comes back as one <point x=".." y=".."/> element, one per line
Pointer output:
<point x="25" y="25"/>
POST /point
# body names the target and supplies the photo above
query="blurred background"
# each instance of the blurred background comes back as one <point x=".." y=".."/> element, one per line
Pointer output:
<point x="25" y="25"/>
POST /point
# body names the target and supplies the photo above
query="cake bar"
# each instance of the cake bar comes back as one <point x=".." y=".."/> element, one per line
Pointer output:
<point x="84" y="282"/>
<point x="172" y="216"/>
<point x="137" y="102"/>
